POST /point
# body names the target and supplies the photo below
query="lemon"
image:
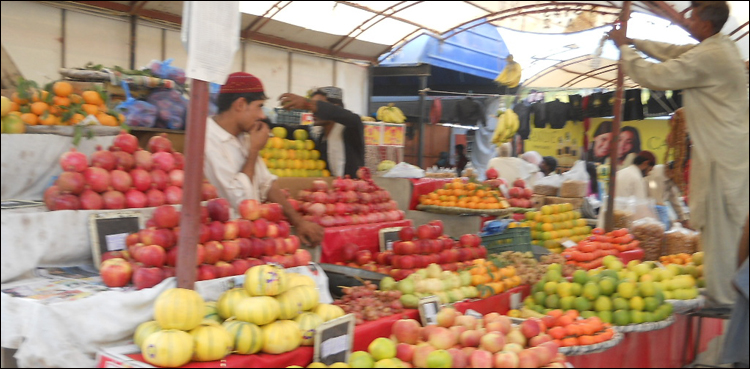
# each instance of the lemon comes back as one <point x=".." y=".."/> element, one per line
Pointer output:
<point x="279" y="132"/>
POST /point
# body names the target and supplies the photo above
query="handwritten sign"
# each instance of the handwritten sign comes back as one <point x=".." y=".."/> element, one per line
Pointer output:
<point x="428" y="310"/>
<point x="334" y="340"/>
<point x="388" y="236"/>
<point x="109" y="230"/>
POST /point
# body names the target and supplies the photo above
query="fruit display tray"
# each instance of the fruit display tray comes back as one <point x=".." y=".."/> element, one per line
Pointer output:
<point x="592" y="349"/>
<point x="70" y="130"/>
<point x="645" y="327"/>
<point x="683" y="306"/>
<point x="463" y="211"/>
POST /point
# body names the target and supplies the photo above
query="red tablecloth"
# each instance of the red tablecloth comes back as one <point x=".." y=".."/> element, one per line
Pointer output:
<point x="627" y="256"/>
<point x="364" y="235"/>
<point x="657" y="349"/>
<point x="301" y="357"/>
<point x="498" y="303"/>
<point x="424" y="186"/>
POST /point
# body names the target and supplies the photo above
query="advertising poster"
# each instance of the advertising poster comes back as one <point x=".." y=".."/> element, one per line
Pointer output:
<point x="373" y="134"/>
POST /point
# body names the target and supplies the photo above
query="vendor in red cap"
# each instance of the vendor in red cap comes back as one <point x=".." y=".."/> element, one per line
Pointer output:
<point x="630" y="181"/>
<point x="234" y="137"/>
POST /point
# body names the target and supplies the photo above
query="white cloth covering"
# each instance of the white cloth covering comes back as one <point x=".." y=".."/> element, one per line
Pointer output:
<point x="714" y="83"/>
<point x="31" y="161"/>
<point x="225" y="155"/>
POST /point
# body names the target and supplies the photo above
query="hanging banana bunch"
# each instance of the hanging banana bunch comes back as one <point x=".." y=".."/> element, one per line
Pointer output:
<point x="390" y="114"/>
<point x="507" y="126"/>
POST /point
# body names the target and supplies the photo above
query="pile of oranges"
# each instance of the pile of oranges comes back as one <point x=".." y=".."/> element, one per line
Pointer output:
<point x="58" y="105"/>
<point x="567" y="330"/>
<point x="465" y="195"/>
<point x="490" y="279"/>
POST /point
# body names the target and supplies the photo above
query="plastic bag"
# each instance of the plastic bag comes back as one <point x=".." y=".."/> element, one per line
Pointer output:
<point x="680" y="240"/>
<point x="650" y="233"/>
<point x="137" y="113"/>
<point x="576" y="173"/>
<point x="495" y="227"/>
<point x="404" y="170"/>
<point x="166" y="71"/>
<point x="171" y="106"/>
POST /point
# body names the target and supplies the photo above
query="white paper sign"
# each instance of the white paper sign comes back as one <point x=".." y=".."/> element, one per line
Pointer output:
<point x="568" y="244"/>
<point x="515" y="301"/>
<point x="334" y="346"/>
<point x="211" y="31"/>
<point x="116" y="241"/>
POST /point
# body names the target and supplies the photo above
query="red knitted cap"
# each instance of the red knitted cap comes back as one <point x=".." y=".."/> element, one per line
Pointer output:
<point x="241" y="82"/>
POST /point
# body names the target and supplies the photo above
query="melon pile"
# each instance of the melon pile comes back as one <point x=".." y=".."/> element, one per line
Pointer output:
<point x="274" y="312"/>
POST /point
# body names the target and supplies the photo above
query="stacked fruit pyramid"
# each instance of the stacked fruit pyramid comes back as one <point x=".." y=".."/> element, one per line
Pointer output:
<point x="448" y="286"/>
<point x="226" y="247"/>
<point x="553" y="224"/>
<point x="296" y="157"/>
<point x="459" y="197"/>
<point x="688" y="264"/>
<point x="274" y="316"/>
<point x="616" y="295"/>
<point x="590" y="252"/>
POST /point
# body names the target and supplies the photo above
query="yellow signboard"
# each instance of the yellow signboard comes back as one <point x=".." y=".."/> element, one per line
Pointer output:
<point x="394" y="134"/>
<point x="373" y="134"/>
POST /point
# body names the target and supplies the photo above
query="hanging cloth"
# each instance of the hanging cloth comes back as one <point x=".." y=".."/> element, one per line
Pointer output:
<point x="436" y="111"/>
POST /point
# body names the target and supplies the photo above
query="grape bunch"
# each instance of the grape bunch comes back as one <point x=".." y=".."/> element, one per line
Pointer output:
<point x="367" y="303"/>
<point x="532" y="271"/>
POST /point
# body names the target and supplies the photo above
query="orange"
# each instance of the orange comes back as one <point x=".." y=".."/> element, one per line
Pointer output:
<point x="14" y="97"/>
<point x="586" y="340"/>
<point x="557" y="313"/>
<point x="75" y="98"/>
<point x="572" y="330"/>
<point x="90" y="109"/>
<point x="14" y="106"/>
<point x="61" y="101"/>
<point x="92" y="97"/>
<point x="56" y="110"/>
<point x="572" y="313"/>
<point x="48" y="120"/>
<point x="36" y="96"/>
<point x="39" y="107"/>
<point x="481" y="193"/>
<point x="30" y="118"/>
<point x="75" y="119"/>
<point x="106" y="120"/>
<point x="62" y="88"/>
<point x="570" y="341"/>
<point x="103" y="108"/>
<point x="557" y="332"/>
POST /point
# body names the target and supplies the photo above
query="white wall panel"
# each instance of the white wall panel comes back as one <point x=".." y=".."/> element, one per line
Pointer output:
<point x="174" y="49"/>
<point x="99" y="40"/>
<point x="310" y="71"/>
<point x="32" y="41"/>
<point x="352" y="79"/>
<point x="147" y="45"/>
<point x="271" y="66"/>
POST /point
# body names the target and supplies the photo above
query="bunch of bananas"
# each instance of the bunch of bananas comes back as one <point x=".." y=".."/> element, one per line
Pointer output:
<point x="366" y="118"/>
<point x="390" y="114"/>
<point x="507" y="125"/>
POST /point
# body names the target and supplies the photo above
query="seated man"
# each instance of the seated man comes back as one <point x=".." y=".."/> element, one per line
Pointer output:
<point x="234" y="137"/>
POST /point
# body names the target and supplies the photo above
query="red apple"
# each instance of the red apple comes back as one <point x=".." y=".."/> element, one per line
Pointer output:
<point x="116" y="272"/>
<point x="492" y="342"/>
<point x="467" y="321"/>
<point x="505" y="359"/>
<point x="292" y="244"/>
<point x="231" y="250"/>
<point x="251" y="262"/>
<point x="214" y="250"/>
<point x="302" y="257"/>
<point x="460" y="360"/>
<point x="224" y="269"/>
<point x="470" y="338"/>
<point x="273" y="231"/>
<point x="261" y="227"/>
<point x="205" y="234"/>
<point x="206" y="272"/>
<point x="442" y="339"/>
<point x="122" y="254"/>
<point x="284" y="228"/>
<point x="280" y="246"/>
<point x="406" y="233"/>
<point x="249" y="209"/>
<point x="405" y="352"/>
<point x="407" y="331"/>
<point x="407" y="262"/>
<point x="151" y="255"/>
<point x="145" y="277"/>
<point x="218" y="209"/>
<point x="217" y="230"/>
<point x="481" y="359"/>
<point x="420" y="355"/>
<point x="439" y="225"/>
<point x="231" y="230"/>
<point x="200" y="254"/>
<point x="270" y="247"/>
<point x="166" y="216"/>
<point x="171" y="259"/>
<point x="132" y="239"/>
<point x="245" y="247"/>
<point x="363" y="257"/>
<point x="169" y="271"/>
<point x="271" y="212"/>
<point x="530" y="328"/>
<point x="424" y="232"/>
<point x="540" y="339"/>
<point x="528" y="359"/>
<point x="257" y="247"/>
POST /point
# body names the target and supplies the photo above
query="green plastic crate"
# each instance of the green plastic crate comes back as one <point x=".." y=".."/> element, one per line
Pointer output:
<point x="513" y="239"/>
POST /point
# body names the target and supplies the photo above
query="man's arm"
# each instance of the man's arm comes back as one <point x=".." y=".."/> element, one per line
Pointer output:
<point x="258" y="138"/>
<point x="322" y="109"/>
<point x="658" y="50"/>
<point x="309" y="233"/>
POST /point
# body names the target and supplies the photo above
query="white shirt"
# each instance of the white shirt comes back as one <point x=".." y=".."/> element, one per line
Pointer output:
<point x="225" y="155"/>
<point x="629" y="182"/>
<point x="510" y="169"/>
<point x="336" y="153"/>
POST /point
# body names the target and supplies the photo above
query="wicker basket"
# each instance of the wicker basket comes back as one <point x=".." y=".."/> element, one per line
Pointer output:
<point x="573" y="189"/>
<point x="546" y="190"/>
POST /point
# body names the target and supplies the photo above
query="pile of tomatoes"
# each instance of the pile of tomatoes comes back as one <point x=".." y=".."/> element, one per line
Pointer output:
<point x="567" y="330"/>
<point x="588" y="254"/>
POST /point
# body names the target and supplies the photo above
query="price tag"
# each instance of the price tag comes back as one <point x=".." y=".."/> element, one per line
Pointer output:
<point x="568" y="244"/>
<point x="108" y="231"/>
<point x="306" y="119"/>
<point x="474" y="313"/>
<point x="515" y="301"/>
<point x="388" y="236"/>
<point x="428" y="310"/>
<point x="333" y="340"/>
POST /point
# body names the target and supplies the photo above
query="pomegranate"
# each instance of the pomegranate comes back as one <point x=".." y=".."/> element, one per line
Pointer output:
<point x="103" y="159"/>
<point x="320" y="185"/>
<point x="71" y="182"/>
<point x="97" y="179"/>
<point x="341" y="208"/>
<point x="208" y="192"/>
<point x="125" y="142"/>
<point x="74" y="161"/>
<point x="135" y="199"/>
<point x="67" y="202"/>
<point x="164" y="161"/>
<point x="327" y="221"/>
<point x="91" y="200"/>
<point x="49" y="196"/>
<point x="166" y="216"/>
<point x="121" y="180"/>
<point x="179" y="160"/>
<point x="113" y="199"/>
<point x="317" y="209"/>
<point x="303" y="195"/>
<point x="141" y="179"/>
<point x="143" y="159"/>
<point x="492" y="173"/>
<point x="519" y="183"/>
<point x="338" y="184"/>
<point x="176" y="177"/>
<point x="173" y="195"/>
<point x="160" y="143"/>
<point x="155" y="197"/>
<point x="124" y="161"/>
<point x="159" y="179"/>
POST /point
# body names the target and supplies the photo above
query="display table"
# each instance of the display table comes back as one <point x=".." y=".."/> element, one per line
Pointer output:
<point x="494" y="304"/>
<point x="627" y="256"/>
<point x="453" y="225"/>
<point x="423" y="186"/>
<point x="364" y="235"/>
<point x="31" y="161"/>
<point x="664" y="348"/>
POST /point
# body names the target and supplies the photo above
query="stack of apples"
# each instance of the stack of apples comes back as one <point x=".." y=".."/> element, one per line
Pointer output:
<point x="519" y="195"/>
<point x="348" y="202"/>
<point x="124" y="176"/>
<point x="463" y="341"/>
<point x="226" y="247"/>
<point x="416" y="249"/>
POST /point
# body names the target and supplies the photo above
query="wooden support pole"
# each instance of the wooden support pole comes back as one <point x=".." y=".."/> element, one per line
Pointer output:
<point x="609" y="216"/>
<point x="195" y="138"/>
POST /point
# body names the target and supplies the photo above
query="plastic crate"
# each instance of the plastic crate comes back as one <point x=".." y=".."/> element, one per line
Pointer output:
<point x="513" y="239"/>
<point x="287" y="117"/>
